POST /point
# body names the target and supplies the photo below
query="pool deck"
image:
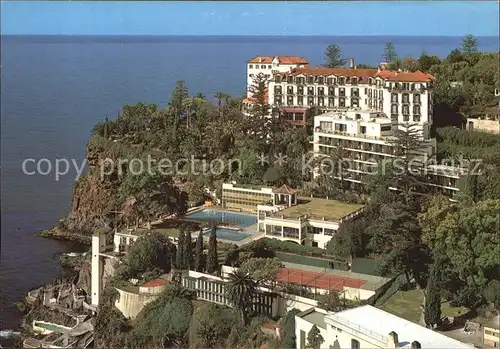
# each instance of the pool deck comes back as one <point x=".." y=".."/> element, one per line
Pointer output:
<point x="250" y="230"/>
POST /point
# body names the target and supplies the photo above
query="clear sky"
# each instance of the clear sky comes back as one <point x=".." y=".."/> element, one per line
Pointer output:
<point x="441" y="18"/>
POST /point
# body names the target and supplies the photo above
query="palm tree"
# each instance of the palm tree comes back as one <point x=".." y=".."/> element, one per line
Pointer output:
<point x="240" y="290"/>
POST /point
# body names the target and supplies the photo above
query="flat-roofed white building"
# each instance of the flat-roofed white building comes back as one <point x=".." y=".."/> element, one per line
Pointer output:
<point x="367" y="327"/>
<point x="308" y="221"/>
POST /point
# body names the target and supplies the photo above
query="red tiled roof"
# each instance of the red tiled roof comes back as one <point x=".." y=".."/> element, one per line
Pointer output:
<point x="363" y="74"/>
<point x="281" y="59"/>
<point x="284" y="189"/>
<point x="154" y="283"/>
<point x="417" y="76"/>
<point x="320" y="71"/>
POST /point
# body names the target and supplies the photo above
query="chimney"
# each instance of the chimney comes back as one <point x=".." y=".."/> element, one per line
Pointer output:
<point x="392" y="341"/>
<point x="415" y="345"/>
<point x="351" y="63"/>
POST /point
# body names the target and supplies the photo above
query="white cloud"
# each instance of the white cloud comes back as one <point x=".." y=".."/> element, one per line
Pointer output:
<point x="209" y="14"/>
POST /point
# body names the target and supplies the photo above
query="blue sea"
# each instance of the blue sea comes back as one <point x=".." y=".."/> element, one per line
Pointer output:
<point x="54" y="89"/>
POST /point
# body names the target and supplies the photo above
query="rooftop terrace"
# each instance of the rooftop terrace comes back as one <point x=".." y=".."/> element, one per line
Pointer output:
<point x="316" y="208"/>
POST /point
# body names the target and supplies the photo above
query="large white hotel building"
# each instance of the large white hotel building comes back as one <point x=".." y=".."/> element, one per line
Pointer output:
<point x="359" y="110"/>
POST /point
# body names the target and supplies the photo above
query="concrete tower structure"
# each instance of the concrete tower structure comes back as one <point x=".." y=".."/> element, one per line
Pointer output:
<point x="98" y="247"/>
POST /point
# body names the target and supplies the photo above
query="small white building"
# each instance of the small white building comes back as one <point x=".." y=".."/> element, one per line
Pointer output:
<point x="367" y="327"/>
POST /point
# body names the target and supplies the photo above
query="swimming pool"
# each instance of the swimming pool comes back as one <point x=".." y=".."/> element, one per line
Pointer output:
<point x="228" y="234"/>
<point x="234" y="219"/>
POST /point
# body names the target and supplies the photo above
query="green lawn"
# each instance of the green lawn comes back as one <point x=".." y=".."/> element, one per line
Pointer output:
<point x="406" y="304"/>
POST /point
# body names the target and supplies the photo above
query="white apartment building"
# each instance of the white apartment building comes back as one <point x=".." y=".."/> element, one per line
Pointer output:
<point x="405" y="96"/>
<point x="367" y="327"/>
<point x="366" y="139"/>
<point x="270" y="65"/>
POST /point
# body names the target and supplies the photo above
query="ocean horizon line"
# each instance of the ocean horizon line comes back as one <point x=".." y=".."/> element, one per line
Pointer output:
<point x="244" y="35"/>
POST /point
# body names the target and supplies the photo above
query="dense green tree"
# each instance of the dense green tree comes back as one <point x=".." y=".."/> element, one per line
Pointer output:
<point x="181" y="249"/>
<point x="263" y="270"/>
<point x="333" y="57"/>
<point x="240" y="290"/>
<point x="198" y="261"/>
<point x="332" y="301"/>
<point x="425" y="62"/>
<point x="350" y="240"/>
<point x="211" y="326"/>
<point x="432" y="309"/>
<point x="188" y="250"/>
<point x="469" y="44"/>
<point x="314" y="338"/>
<point x="258" y="91"/>
<point x="287" y="329"/>
<point x="162" y="321"/>
<point x="148" y="253"/>
<point x="212" y="257"/>
<point x="389" y="53"/>
<point x="468" y="235"/>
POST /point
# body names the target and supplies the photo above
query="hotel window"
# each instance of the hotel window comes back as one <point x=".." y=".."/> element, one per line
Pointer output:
<point x="331" y="91"/>
<point x="310" y="79"/>
<point x="369" y="92"/>
<point x="369" y="103"/>
<point x="416" y="98"/>
<point x="355" y="103"/>
<point x="310" y="100"/>
<point x="320" y="80"/>
<point x="300" y="80"/>
<point x="363" y="129"/>
<point x="394" y="109"/>
<point x="289" y="79"/>
<point x="331" y="102"/>
<point x="310" y="91"/>
<point x="342" y="102"/>
<point x="321" y="101"/>
<point x="277" y="78"/>
<point x="289" y="89"/>
<point x="321" y="91"/>
<point x="300" y="100"/>
<point x="416" y="109"/>
<point x="289" y="100"/>
<point x="406" y="98"/>
<point x="355" y="92"/>
<point x="329" y="81"/>
<point x="278" y="100"/>
<point x="354" y="81"/>
<point x="325" y="125"/>
<point x="262" y="67"/>
<point x="394" y="97"/>
<point x="354" y="344"/>
<point x="385" y="128"/>
<point x="406" y="110"/>
<point x="250" y="66"/>
<point x="269" y="67"/>
<point x="342" y="92"/>
<point x="341" y="81"/>
<point x="300" y="90"/>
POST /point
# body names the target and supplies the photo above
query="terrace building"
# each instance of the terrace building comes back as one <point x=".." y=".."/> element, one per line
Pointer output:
<point x="367" y="327"/>
<point x="364" y="139"/>
<point x="309" y="221"/>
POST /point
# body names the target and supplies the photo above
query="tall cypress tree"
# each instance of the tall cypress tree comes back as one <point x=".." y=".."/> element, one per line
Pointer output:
<point x="432" y="309"/>
<point x="180" y="251"/>
<point x="212" y="259"/>
<point x="188" y="251"/>
<point x="198" y="262"/>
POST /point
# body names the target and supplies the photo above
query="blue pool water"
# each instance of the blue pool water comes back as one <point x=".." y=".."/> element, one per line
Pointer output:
<point x="234" y="219"/>
<point x="228" y="234"/>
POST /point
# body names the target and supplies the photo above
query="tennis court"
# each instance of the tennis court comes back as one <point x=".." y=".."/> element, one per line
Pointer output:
<point x="323" y="281"/>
